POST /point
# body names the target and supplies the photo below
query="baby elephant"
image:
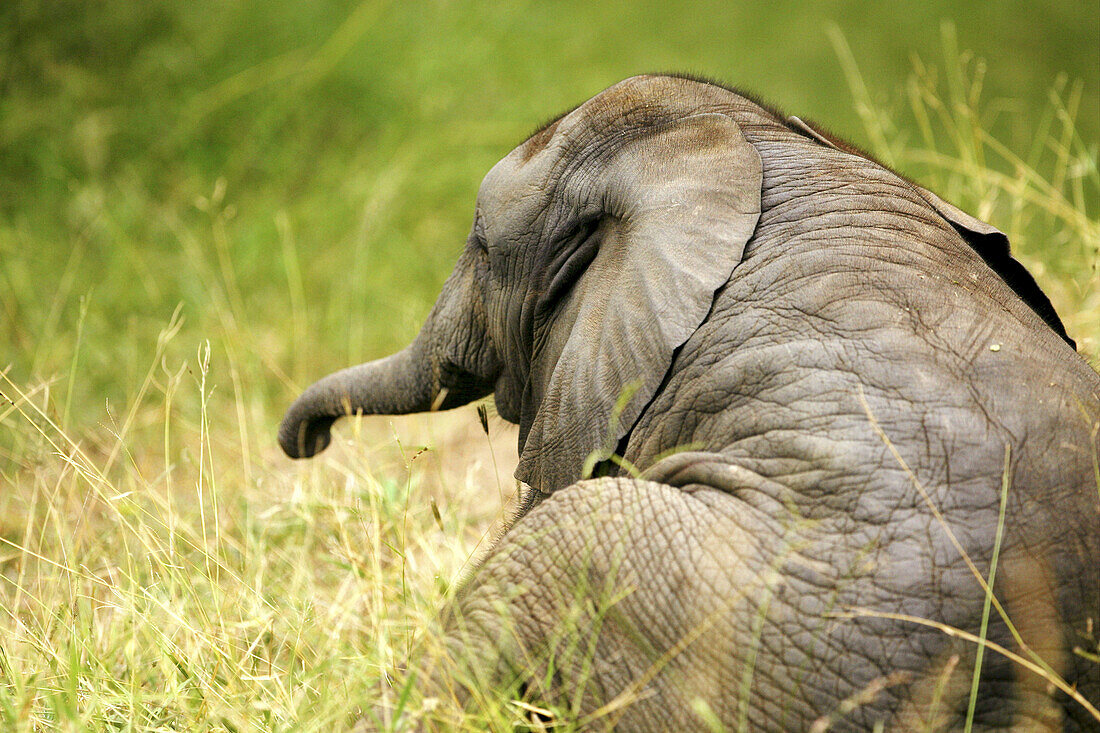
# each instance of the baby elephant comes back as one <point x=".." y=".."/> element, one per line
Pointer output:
<point x="793" y="430"/>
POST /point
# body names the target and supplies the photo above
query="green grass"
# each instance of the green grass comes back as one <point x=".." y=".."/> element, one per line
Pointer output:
<point x="204" y="206"/>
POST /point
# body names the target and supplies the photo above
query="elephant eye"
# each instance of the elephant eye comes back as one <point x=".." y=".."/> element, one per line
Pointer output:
<point x="478" y="234"/>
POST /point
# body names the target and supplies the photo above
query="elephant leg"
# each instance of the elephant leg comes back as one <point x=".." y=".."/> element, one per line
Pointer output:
<point x="626" y="603"/>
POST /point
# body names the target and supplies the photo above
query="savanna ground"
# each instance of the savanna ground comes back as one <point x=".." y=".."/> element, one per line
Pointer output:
<point x="205" y="206"/>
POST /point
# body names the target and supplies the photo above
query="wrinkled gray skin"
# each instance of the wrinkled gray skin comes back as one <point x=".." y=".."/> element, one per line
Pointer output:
<point x="811" y="346"/>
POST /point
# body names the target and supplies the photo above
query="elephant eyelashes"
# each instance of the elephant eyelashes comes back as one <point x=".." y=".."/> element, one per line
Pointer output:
<point x="568" y="261"/>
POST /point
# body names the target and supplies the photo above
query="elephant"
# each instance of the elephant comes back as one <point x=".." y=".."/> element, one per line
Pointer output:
<point x="801" y="444"/>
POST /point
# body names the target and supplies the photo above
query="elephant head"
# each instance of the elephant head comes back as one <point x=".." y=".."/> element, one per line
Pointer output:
<point x="596" y="249"/>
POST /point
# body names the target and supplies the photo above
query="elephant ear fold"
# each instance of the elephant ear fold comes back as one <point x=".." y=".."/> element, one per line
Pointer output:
<point x="679" y="203"/>
<point x="992" y="245"/>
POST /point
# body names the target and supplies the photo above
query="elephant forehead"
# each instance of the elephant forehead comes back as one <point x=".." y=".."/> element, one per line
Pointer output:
<point x="514" y="190"/>
<point x="497" y="186"/>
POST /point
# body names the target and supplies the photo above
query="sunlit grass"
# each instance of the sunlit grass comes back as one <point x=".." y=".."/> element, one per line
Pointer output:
<point x="145" y="596"/>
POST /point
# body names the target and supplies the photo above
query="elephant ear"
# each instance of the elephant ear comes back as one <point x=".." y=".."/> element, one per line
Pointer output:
<point x="990" y="243"/>
<point x="679" y="203"/>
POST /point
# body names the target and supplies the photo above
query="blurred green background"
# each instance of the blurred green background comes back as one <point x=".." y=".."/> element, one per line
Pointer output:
<point x="298" y="177"/>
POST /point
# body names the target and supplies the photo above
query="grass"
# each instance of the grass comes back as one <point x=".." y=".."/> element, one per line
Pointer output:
<point x="201" y="213"/>
<point x="145" y="597"/>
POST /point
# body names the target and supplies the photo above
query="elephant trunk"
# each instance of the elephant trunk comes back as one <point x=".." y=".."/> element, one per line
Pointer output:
<point x="398" y="384"/>
<point x="451" y="362"/>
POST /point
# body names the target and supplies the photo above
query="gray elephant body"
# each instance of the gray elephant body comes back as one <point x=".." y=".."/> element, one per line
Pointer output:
<point x="833" y="424"/>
